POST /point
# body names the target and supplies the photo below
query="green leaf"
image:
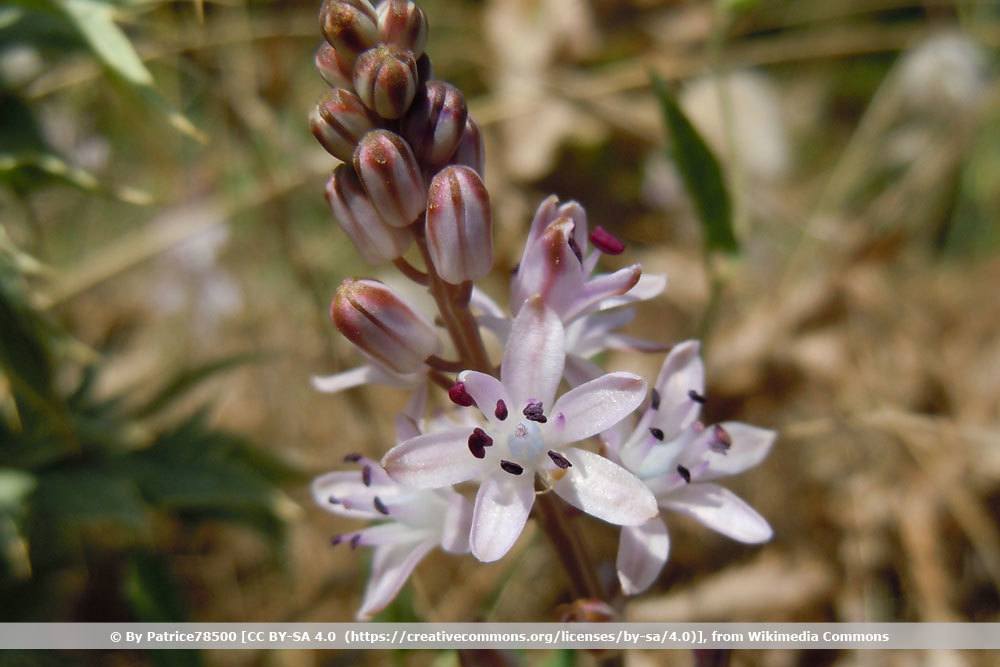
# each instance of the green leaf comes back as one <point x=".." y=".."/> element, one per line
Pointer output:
<point x="26" y="165"/>
<point x="95" y="21"/>
<point x="152" y="593"/>
<point x="701" y="172"/>
<point x="14" y="486"/>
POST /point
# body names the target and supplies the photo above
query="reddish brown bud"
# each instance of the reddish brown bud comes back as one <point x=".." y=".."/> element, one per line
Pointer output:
<point x="459" y="225"/>
<point x="339" y="121"/>
<point x="389" y="171"/>
<point x="386" y="80"/>
<point x="376" y="241"/>
<point x="333" y="68"/>
<point x="435" y="123"/>
<point x="402" y="23"/>
<point x="378" y="321"/>
<point x="350" y="26"/>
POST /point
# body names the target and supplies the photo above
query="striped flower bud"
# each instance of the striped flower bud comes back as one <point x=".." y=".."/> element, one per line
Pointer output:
<point x="402" y="23"/>
<point x="435" y="123"/>
<point x="333" y="68"/>
<point x="459" y="225"/>
<point x="376" y="241"/>
<point x="386" y="80"/>
<point x="470" y="151"/>
<point x="378" y="321"/>
<point x="339" y="121"/>
<point x="350" y="26"/>
<point x="389" y="171"/>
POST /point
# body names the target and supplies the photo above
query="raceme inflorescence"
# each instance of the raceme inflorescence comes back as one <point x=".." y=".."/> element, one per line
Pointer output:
<point x="468" y="477"/>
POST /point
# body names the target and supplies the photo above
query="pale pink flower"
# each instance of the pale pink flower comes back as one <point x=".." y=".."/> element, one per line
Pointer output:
<point x="678" y="458"/>
<point x="525" y="433"/>
<point x="414" y="522"/>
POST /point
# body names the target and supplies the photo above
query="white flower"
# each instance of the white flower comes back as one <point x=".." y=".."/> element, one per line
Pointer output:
<point x="678" y="458"/>
<point x="524" y="434"/>
<point x="416" y="521"/>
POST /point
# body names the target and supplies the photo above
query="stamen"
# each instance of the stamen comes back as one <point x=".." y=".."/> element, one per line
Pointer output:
<point x="575" y="247"/>
<point x="657" y="433"/>
<point x="654" y="399"/>
<point x="511" y="467"/>
<point x="501" y="410"/>
<point x="533" y="411"/>
<point x="380" y="506"/>
<point x="684" y="473"/>
<point x="336" y="539"/>
<point x="352" y="458"/>
<point x="479" y="440"/>
<point x="333" y="500"/>
<point x="606" y="242"/>
<point x="366" y="475"/>
<point x="721" y="440"/>
<point x="696" y="397"/>
<point x="355" y="540"/>
<point x="560" y="460"/>
<point x="459" y="396"/>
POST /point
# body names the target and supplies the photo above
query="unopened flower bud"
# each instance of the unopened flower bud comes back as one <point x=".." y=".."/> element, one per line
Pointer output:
<point x="378" y="321"/>
<point x="459" y="225"/>
<point x="333" y="68"/>
<point x="435" y="123"/>
<point x="402" y="23"/>
<point x="376" y="241"/>
<point x="425" y="69"/>
<point x="389" y="171"/>
<point x="339" y="121"/>
<point x="386" y="80"/>
<point x="350" y="26"/>
<point x="470" y="151"/>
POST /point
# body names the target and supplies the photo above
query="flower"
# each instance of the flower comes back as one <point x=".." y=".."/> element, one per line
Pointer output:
<point x="524" y="434"/>
<point x="678" y="458"/>
<point x="415" y="522"/>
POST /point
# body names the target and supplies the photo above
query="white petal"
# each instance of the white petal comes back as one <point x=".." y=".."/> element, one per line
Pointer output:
<point x="457" y="524"/>
<point x="485" y="390"/>
<point x="341" y="485"/>
<point x="599" y="288"/>
<point x="604" y="489"/>
<point x="433" y="460"/>
<point x="642" y="552"/>
<point x="485" y="303"/>
<point x="682" y="372"/>
<point x="596" y="406"/>
<point x="331" y="384"/>
<point x="750" y="446"/>
<point x="721" y="510"/>
<point x="534" y="357"/>
<point x="502" y="507"/>
<point x="389" y="534"/>
<point x="391" y="567"/>
<point x="579" y="370"/>
<point x="619" y="341"/>
<point x="650" y="286"/>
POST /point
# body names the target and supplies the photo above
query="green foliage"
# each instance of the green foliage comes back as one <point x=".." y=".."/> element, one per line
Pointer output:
<point x="701" y="172"/>
<point x="89" y="477"/>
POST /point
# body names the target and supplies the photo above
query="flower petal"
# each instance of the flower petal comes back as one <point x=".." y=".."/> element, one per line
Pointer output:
<point x="604" y="489"/>
<point x="391" y="567"/>
<point x="650" y="286"/>
<point x="721" y="510"/>
<point x="331" y="384"/>
<point x="433" y="460"/>
<point x="596" y="406"/>
<point x="344" y="493"/>
<point x="485" y="390"/>
<point x="750" y="446"/>
<point x="502" y="507"/>
<point x="642" y="552"/>
<point x="534" y="357"/>
<point x="457" y="524"/>
<point x="598" y="289"/>
<point x="681" y="373"/>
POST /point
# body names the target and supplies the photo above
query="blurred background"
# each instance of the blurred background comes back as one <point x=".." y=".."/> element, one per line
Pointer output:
<point x="167" y="259"/>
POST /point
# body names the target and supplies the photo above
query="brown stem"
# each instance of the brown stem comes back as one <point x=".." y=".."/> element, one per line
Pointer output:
<point x="568" y="546"/>
<point x="411" y="272"/>
<point x="455" y="315"/>
<point x="440" y="364"/>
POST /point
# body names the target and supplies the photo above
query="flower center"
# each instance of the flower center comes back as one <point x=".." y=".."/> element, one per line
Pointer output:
<point x="525" y="442"/>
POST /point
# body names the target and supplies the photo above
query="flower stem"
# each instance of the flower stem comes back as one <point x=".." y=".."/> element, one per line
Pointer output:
<point x="569" y="547"/>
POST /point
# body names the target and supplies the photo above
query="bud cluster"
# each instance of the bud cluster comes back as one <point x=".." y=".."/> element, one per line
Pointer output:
<point x="413" y="157"/>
